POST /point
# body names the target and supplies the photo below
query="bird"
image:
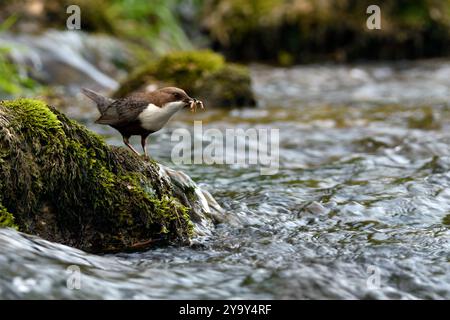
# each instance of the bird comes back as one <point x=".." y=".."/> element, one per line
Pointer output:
<point x="140" y="114"/>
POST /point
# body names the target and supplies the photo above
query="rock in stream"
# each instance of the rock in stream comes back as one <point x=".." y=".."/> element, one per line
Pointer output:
<point x="63" y="183"/>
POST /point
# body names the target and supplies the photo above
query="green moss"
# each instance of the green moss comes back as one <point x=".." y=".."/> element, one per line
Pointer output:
<point x="188" y="67"/>
<point x="6" y="218"/>
<point x="33" y="116"/>
<point x="203" y="74"/>
<point x="65" y="184"/>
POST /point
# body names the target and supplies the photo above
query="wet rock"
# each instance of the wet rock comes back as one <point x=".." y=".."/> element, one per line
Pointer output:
<point x="203" y="74"/>
<point x="63" y="183"/>
<point x="201" y="201"/>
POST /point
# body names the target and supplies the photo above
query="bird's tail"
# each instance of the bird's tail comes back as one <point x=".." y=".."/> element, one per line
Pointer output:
<point x="101" y="101"/>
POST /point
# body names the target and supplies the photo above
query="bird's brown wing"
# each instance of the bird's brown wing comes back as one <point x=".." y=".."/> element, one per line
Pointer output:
<point x="121" y="112"/>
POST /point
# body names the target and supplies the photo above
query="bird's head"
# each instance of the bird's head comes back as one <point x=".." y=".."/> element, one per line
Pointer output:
<point x="172" y="97"/>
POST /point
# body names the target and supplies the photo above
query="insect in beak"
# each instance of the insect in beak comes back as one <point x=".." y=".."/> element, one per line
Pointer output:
<point x="194" y="104"/>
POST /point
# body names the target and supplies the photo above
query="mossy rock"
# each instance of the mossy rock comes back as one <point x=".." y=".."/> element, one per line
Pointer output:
<point x="63" y="183"/>
<point x="203" y="74"/>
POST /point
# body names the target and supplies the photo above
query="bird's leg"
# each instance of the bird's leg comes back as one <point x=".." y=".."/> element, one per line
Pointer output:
<point x="127" y="143"/>
<point x="144" y="144"/>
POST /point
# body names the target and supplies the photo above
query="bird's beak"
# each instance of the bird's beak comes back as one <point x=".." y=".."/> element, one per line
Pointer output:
<point x="189" y="101"/>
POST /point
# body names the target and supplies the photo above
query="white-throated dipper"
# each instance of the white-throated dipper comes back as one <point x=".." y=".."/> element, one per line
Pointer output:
<point x="141" y="114"/>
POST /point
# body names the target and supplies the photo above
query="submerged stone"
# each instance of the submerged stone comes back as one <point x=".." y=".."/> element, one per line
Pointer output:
<point x="63" y="183"/>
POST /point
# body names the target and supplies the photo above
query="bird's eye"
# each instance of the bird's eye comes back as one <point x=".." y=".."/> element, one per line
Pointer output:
<point x="177" y="95"/>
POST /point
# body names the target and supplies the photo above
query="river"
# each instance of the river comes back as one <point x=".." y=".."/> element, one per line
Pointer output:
<point x="359" y="208"/>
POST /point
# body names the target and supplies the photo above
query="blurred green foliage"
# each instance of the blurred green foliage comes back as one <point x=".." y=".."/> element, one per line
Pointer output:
<point x="154" y="23"/>
<point x="289" y="31"/>
<point x="12" y="81"/>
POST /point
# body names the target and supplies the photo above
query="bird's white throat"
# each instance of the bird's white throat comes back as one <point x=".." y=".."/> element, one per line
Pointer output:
<point x="153" y="118"/>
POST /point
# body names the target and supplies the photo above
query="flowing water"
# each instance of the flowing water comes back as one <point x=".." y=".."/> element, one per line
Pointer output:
<point x="360" y="206"/>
